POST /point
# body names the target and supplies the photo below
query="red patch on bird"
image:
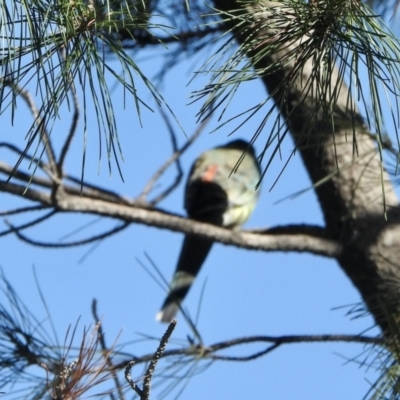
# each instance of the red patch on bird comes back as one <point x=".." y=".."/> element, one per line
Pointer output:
<point x="209" y="173"/>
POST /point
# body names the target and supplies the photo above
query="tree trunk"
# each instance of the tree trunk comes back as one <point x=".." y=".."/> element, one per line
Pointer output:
<point x="352" y="199"/>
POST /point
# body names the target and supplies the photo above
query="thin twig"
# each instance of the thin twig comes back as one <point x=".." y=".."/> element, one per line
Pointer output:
<point x="175" y="158"/>
<point x="249" y="357"/>
<point x="297" y="339"/>
<point x="90" y="190"/>
<point x="24" y="154"/>
<point x="130" y="380"/>
<point x="44" y="135"/>
<point x="157" y="355"/>
<point x="99" y="191"/>
<point x="106" y="351"/>
<point x="145" y="393"/>
<point x="23" y="210"/>
<point x="28" y="224"/>
<point x="33" y="179"/>
<point x="70" y="244"/>
<point x="164" y="167"/>
<point x="74" y="123"/>
<point x="146" y="38"/>
<point x="209" y="352"/>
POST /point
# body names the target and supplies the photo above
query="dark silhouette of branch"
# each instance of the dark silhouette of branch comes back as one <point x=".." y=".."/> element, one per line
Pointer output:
<point x="32" y="180"/>
<point x="106" y="351"/>
<point x="22" y="210"/>
<point x="44" y="135"/>
<point x="74" y="123"/>
<point x="175" y="158"/>
<point x="157" y="355"/>
<point x="287" y="339"/>
<point x="96" y="238"/>
<point x="27" y="225"/>
<point x="129" y="379"/>
<point x="209" y="352"/>
<point x="43" y="182"/>
<point x="24" y="155"/>
<point x="144" y="393"/>
<point x="156" y="176"/>
<point x="144" y="38"/>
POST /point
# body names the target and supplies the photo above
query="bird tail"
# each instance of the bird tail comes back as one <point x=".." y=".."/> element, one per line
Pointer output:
<point x="167" y="313"/>
<point x="193" y="254"/>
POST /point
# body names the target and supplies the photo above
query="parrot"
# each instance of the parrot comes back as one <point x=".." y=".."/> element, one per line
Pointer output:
<point x="220" y="190"/>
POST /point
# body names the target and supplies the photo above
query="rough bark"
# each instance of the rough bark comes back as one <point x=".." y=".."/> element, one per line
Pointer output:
<point x="352" y="198"/>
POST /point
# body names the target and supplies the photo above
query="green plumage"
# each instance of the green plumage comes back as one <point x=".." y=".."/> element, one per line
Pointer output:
<point x="221" y="191"/>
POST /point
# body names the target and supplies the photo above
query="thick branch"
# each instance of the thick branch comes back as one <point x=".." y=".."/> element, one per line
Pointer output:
<point x="300" y="242"/>
<point x="301" y="238"/>
<point x="336" y="148"/>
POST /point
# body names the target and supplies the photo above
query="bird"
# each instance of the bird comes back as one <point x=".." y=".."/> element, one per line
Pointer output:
<point x="220" y="190"/>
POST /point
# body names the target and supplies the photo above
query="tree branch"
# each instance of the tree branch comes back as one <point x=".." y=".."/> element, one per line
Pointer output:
<point x="299" y="240"/>
<point x="33" y="242"/>
<point x="44" y="134"/>
<point x="175" y="158"/>
<point x="208" y="352"/>
<point x="28" y="224"/>
<point x="333" y="140"/>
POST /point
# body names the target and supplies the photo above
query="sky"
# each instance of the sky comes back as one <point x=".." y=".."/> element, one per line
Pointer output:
<point x="245" y="292"/>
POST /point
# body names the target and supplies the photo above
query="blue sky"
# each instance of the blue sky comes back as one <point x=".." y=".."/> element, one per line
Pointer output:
<point x="246" y="292"/>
